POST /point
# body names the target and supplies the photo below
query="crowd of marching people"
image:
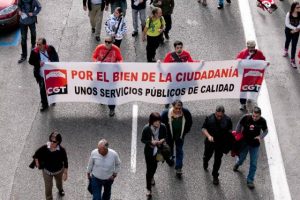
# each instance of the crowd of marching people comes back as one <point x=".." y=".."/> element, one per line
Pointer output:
<point x="163" y="135"/>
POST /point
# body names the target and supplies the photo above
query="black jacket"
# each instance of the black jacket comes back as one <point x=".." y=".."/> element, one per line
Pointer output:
<point x="140" y="6"/>
<point x="35" y="59"/>
<point x="89" y="4"/>
<point x="147" y="138"/>
<point x="188" y="122"/>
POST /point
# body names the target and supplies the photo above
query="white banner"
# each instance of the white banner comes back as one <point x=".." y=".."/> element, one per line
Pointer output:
<point x="161" y="83"/>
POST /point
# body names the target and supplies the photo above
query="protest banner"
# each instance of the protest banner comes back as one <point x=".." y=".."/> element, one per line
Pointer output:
<point x="161" y="83"/>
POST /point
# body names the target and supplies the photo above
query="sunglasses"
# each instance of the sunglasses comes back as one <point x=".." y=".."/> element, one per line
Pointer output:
<point x="108" y="42"/>
<point x="53" y="141"/>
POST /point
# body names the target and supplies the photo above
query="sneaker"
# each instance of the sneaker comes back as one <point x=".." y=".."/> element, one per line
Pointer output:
<point x="134" y="33"/>
<point x="228" y="1"/>
<point x="61" y="193"/>
<point x="250" y="185"/>
<point x="148" y="194"/>
<point x="170" y="162"/>
<point x="204" y="3"/>
<point x="205" y="165"/>
<point x="220" y="6"/>
<point x="93" y="30"/>
<point x="293" y="64"/>
<point x="43" y="108"/>
<point x="152" y="182"/>
<point x="178" y="173"/>
<point x="111" y="113"/>
<point x="243" y="107"/>
<point x="97" y="38"/>
<point x="285" y="53"/>
<point x="22" y="59"/>
<point x="236" y="167"/>
<point x="216" y="180"/>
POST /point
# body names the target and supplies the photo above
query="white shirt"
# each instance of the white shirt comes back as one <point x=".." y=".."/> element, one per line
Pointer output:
<point x="44" y="58"/>
<point x="155" y="132"/>
<point x="103" y="167"/>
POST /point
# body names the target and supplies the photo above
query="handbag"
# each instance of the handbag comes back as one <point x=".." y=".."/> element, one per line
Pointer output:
<point x="163" y="152"/>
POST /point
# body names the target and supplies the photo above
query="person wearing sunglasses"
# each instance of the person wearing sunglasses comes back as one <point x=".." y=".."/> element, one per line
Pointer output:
<point x="108" y="52"/>
<point x="52" y="159"/>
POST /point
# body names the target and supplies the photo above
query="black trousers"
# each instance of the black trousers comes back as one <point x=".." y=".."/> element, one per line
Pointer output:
<point x="117" y="43"/>
<point x="291" y="37"/>
<point x="151" y="166"/>
<point x="43" y="94"/>
<point x="243" y="101"/>
<point x="24" y="30"/>
<point x="152" y="45"/>
<point x="210" y="148"/>
<point x="168" y="20"/>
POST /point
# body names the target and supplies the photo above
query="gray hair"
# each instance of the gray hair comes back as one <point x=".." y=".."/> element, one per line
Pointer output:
<point x="220" y="108"/>
<point x="103" y="142"/>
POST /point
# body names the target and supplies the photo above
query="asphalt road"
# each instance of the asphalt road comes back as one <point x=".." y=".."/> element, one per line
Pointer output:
<point x="209" y="34"/>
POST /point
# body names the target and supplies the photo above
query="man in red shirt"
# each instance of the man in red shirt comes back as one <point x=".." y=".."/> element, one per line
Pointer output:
<point x="108" y="52"/>
<point x="249" y="53"/>
<point x="179" y="55"/>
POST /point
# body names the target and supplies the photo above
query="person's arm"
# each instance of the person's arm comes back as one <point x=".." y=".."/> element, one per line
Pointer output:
<point x="189" y="57"/>
<point x="119" y="57"/>
<point x="96" y="54"/>
<point x="90" y="166"/>
<point x="168" y="58"/>
<point x="146" y="137"/>
<point x="108" y="28"/>
<point x="37" y="9"/>
<point x="123" y="28"/>
<point x="156" y="3"/>
<point x="146" y="29"/>
<point x="189" y="121"/>
<point x="54" y="57"/>
<point x="288" y="23"/>
<point x="172" y="5"/>
<point x="66" y="164"/>
<point x="84" y="5"/>
<point x="205" y="132"/>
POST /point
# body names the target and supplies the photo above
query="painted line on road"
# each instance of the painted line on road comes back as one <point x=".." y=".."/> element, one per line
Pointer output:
<point x="15" y="40"/>
<point x="134" y="137"/>
<point x="280" y="186"/>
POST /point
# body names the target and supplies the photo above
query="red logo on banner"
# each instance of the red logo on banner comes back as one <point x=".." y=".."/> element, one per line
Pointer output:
<point x="56" y="81"/>
<point x="252" y="80"/>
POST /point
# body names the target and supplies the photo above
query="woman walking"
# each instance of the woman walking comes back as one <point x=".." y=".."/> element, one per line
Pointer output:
<point x="52" y="159"/>
<point x="155" y="26"/>
<point x="153" y="136"/>
<point x="292" y="28"/>
<point x="116" y="27"/>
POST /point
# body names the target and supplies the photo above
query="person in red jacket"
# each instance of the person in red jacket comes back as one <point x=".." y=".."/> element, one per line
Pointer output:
<point x="249" y="53"/>
<point x="179" y="55"/>
<point x="108" y="52"/>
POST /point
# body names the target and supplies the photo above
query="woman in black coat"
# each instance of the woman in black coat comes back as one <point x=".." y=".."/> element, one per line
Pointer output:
<point x="153" y="136"/>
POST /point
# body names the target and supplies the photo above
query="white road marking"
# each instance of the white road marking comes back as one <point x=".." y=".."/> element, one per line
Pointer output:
<point x="280" y="186"/>
<point x="134" y="137"/>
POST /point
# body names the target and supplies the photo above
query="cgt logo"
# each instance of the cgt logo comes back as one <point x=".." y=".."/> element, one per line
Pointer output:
<point x="252" y="80"/>
<point x="56" y="81"/>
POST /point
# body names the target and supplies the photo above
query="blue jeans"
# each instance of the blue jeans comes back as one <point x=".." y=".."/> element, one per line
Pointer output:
<point x="221" y="2"/>
<point x="97" y="185"/>
<point x="253" y="151"/>
<point x="179" y="153"/>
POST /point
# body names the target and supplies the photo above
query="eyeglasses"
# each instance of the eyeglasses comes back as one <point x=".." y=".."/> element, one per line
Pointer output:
<point x="53" y="141"/>
<point x="108" y="42"/>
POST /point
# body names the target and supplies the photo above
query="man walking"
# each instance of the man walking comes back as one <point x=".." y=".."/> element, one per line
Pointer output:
<point x="217" y="129"/>
<point x="254" y="128"/>
<point x="39" y="55"/>
<point x="138" y="8"/>
<point x="179" y="55"/>
<point x="28" y="11"/>
<point x="108" y="52"/>
<point x="179" y="122"/>
<point x="249" y="53"/>
<point x="103" y="167"/>
<point x="95" y="8"/>
<point x="167" y="7"/>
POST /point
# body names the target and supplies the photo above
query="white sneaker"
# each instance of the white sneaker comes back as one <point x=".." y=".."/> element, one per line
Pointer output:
<point x="293" y="64"/>
<point x="243" y="107"/>
<point x="285" y="53"/>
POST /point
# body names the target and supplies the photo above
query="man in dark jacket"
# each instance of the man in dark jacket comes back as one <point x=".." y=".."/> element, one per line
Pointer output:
<point x="217" y="128"/>
<point x="179" y="122"/>
<point x="167" y="7"/>
<point x="39" y="55"/>
<point x="138" y="7"/>
<point x="28" y="11"/>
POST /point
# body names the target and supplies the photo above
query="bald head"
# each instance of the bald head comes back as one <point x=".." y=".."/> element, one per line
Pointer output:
<point x="103" y="147"/>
